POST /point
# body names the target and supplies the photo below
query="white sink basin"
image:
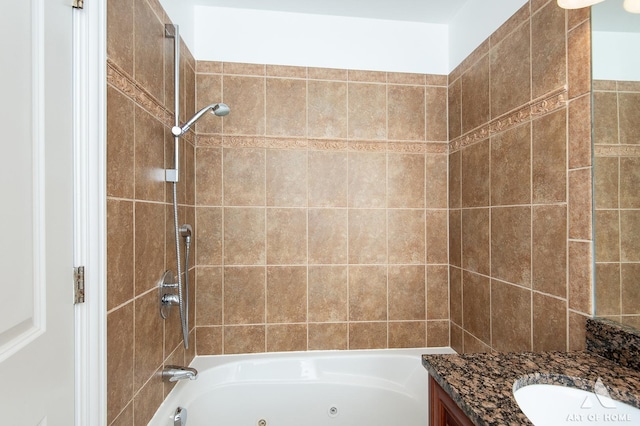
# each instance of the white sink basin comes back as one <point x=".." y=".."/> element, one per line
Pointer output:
<point x="548" y="405"/>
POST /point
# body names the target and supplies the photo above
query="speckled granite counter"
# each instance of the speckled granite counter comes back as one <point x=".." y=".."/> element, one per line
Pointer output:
<point x="482" y="384"/>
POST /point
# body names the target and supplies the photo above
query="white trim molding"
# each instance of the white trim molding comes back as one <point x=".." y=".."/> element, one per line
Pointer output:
<point x="89" y="53"/>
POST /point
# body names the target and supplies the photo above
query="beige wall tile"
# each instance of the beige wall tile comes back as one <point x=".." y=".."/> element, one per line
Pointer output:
<point x="511" y="244"/>
<point x="244" y="339"/>
<point x="511" y="167"/>
<point x="209" y="89"/>
<point x="328" y="293"/>
<point x="246" y="95"/>
<point x="148" y="339"/>
<point x="244" y="236"/>
<point x="367" y="293"/>
<point x="510" y="317"/>
<point x="208" y="171"/>
<point x="286" y="178"/>
<point x="437" y="334"/>
<point x="244" y="176"/>
<point x="580" y="132"/>
<point x="549" y="323"/>
<point x="208" y="304"/>
<point x="367" y="116"/>
<point x="629" y="182"/>
<point x="476" y="182"/>
<point x="549" y="249"/>
<point x="630" y="293"/>
<point x="608" y="289"/>
<point x="327" y="104"/>
<point x="436" y="181"/>
<point x="437" y="237"/>
<point x="550" y="158"/>
<point x="476" y="306"/>
<point x="407" y="292"/>
<point x="406" y="110"/>
<point x="475" y="96"/>
<point x="329" y="336"/>
<point x="367" y="175"/>
<point x="548" y="49"/>
<point x="607" y="238"/>
<point x="328" y="179"/>
<point x="286" y="337"/>
<point x="510" y="72"/>
<point x="580" y="204"/>
<point x="606" y="175"/>
<point x="454" y="101"/>
<point x="455" y="296"/>
<point x="149" y="245"/>
<point x="407" y="334"/>
<point x="208" y="236"/>
<point x="367" y="335"/>
<point x="367" y="236"/>
<point x="147" y="400"/>
<point x="287" y="294"/>
<point x="120" y="144"/>
<point x="437" y="114"/>
<point x="286" y="107"/>
<point x="406" y="180"/>
<point x="605" y="118"/>
<point x="120" y="367"/>
<point x="406" y="236"/>
<point x="476" y="240"/>
<point x="579" y="59"/>
<point x="286" y="236"/>
<point x="209" y="340"/>
<point x="120" y="254"/>
<point x="148" y="49"/>
<point x="149" y="157"/>
<point x="438" y="292"/>
<point x="328" y="236"/>
<point x="244" y="296"/>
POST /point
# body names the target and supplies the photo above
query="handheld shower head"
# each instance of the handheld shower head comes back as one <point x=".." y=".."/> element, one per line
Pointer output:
<point x="218" y="109"/>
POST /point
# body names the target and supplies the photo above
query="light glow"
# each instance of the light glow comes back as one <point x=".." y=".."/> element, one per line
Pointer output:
<point x="632" y="6"/>
<point x="578" y="4"/>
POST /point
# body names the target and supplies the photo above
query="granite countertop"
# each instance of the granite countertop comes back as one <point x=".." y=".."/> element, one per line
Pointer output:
<point x="482" y="384"/>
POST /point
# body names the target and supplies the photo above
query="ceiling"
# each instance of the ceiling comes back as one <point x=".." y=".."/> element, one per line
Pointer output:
<point x="428" y="11"/>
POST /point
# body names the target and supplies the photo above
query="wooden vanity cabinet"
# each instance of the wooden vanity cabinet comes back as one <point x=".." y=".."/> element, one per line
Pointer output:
<point x="443" y="411"/>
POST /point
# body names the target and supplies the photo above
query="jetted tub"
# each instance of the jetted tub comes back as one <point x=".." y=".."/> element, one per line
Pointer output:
<point x="324" y="388"/>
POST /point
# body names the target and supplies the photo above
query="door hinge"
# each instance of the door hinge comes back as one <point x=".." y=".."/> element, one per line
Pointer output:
<point x="78" y="279"/>
<point x="78" y="4"/>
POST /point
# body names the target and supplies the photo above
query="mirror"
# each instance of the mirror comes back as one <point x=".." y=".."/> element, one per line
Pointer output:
<point x="616" y="137"/>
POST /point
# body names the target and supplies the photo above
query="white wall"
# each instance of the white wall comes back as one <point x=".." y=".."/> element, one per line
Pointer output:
<point x="476" y="21"/>
<point x="615" y="56"/>
<point x="181" y="13"/>
<point x="283" y="38"/>
<point x="252" y="36"/>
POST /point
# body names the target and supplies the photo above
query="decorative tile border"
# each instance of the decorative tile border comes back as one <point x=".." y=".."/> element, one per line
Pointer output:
<point x="538" y="107"/>
<point x="127" y="85"/>
<point x="226" y="141"/>
<point x="617" y="150"/>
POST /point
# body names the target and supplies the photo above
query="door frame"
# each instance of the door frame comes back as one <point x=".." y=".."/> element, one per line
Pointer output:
<point x="89" y="151"/>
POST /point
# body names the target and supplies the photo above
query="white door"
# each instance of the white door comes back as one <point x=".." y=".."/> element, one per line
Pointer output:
<point x="36" y="214"/>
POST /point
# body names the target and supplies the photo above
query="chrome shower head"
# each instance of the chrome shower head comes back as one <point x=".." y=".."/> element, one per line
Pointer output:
<point x="218" y="109"/>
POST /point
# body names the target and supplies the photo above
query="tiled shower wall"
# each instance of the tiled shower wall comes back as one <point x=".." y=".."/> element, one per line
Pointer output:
<point x="520" y="185"/>
<point x="140" y="244"/>
<point x="617" y="159"/>
<point x="321" y="210"/>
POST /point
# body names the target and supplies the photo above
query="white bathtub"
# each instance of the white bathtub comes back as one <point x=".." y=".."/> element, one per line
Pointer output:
<point x="332" y="388"/>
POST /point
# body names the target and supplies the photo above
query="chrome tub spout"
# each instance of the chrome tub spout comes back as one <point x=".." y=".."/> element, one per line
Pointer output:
<point x="173" y="373"/>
